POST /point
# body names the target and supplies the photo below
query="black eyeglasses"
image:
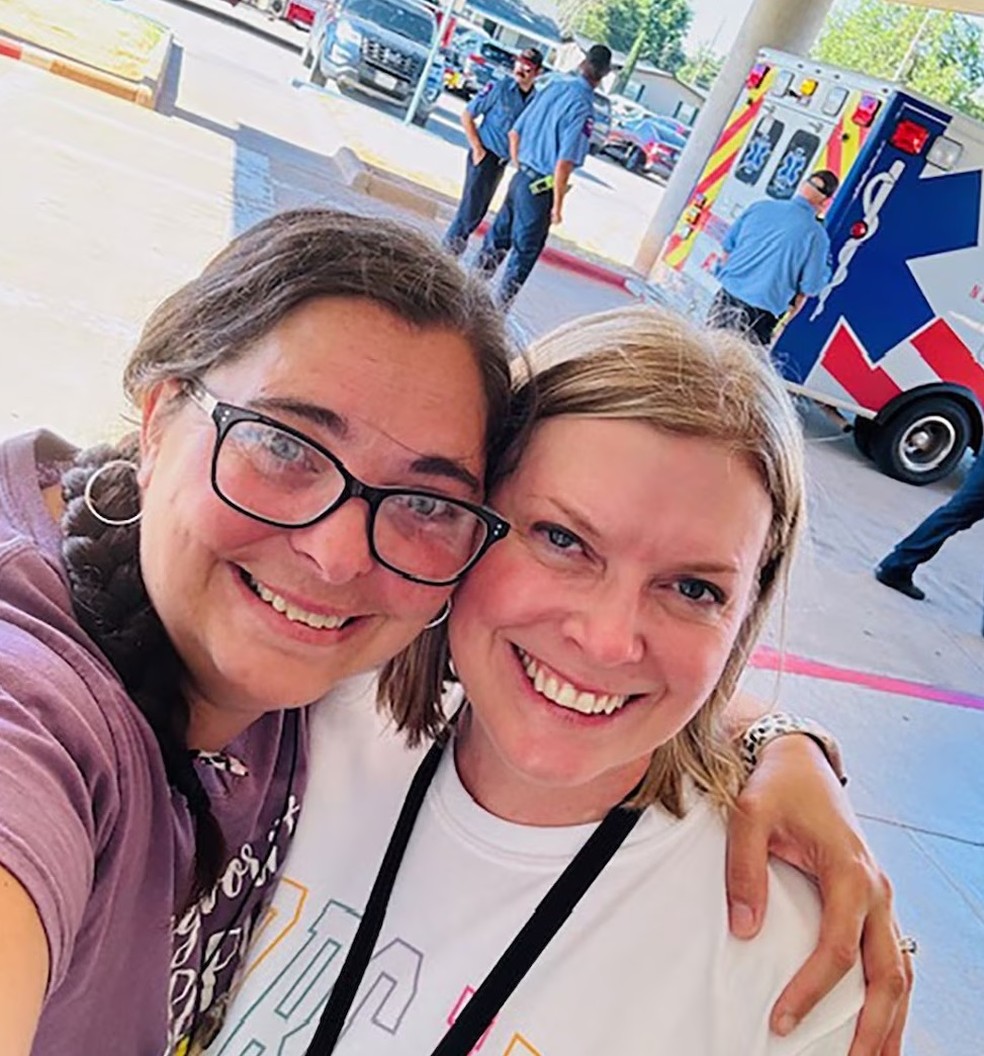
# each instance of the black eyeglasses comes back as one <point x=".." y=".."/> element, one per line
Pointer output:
<point x="279" y="476"/>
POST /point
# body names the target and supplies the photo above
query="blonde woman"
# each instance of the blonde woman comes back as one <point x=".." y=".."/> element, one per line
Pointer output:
<point x="546" y="877"/>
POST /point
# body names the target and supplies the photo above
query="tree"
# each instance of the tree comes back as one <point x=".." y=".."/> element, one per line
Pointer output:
<point x="653" y="28"/>
<point x="701" y="68"/>
<point x="938" y="53"/>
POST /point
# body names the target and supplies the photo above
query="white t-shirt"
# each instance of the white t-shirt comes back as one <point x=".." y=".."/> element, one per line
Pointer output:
<point x="644" y="965"/>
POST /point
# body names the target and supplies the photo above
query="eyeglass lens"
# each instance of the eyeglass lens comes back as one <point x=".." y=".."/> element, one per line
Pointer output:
<point x="278" y="477"/>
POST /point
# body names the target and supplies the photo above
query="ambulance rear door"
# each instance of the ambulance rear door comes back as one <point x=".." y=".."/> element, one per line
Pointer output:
<point x="897" y="336"/>
<point x="795" y="116"/>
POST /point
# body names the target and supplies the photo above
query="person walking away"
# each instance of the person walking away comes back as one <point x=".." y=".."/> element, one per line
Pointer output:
<point x="496" y="106"/>
<point x="775" y="257"/>
<point x="963" y="511"/>
<point x="547" y="143"/>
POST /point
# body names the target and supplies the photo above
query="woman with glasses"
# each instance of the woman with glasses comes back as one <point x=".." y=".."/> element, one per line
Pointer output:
<point x="305" y="489"/>
<point x="546" y="877"/>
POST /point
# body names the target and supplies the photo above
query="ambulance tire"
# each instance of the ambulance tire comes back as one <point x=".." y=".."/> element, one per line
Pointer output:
<point x="922" y="442"/>
<point x="862" y="432"/>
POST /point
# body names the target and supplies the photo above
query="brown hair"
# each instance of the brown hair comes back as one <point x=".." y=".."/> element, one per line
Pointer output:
<point x="649" y="365"/>
<point x="241" y="295"/>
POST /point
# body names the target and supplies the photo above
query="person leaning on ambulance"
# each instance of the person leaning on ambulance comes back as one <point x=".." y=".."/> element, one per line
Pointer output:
<point x="775" y="257"/>
<point x="547" y="143"/>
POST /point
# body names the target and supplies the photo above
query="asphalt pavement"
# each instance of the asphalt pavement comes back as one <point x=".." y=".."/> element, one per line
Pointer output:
<point x="105" y="208"/>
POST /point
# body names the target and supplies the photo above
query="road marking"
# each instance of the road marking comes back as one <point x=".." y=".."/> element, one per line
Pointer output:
<point x="767" y="659"/>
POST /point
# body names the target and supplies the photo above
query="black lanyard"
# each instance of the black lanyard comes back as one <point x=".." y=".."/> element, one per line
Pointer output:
<point x="507" y="973"/>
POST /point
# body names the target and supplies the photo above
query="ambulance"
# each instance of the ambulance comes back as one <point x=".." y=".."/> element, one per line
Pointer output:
<point x="896" y="339"/>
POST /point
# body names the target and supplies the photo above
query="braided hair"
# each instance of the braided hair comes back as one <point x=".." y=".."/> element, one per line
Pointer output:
<point x="112" y="606"/>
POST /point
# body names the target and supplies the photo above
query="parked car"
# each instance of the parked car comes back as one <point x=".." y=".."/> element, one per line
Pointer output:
<point x="602" y="122"/>
<point x="378" y="47"/>
<point x="646" y="145"/>
<point x="483" y="64"/>
<point x="464" y="40"/>
<point x="626" y="109"/>
<point x="300" y="13"/>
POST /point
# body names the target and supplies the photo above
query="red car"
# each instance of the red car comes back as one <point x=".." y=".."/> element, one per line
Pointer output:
<point x="647" y="144"/>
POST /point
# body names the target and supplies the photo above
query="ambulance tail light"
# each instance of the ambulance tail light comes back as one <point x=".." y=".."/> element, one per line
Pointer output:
<point x="757" y="75"/>
<point x="866" y="110"/>
<point x="859" y="229"/>
<point x="909" y="137"/>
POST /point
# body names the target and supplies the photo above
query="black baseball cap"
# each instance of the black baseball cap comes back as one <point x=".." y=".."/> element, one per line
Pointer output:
<point x="600" y="58"/>
<point x="825" y="181"/>
<point x="533" y="56"/>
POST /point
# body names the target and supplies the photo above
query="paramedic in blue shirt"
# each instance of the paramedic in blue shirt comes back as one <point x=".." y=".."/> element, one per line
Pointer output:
<point x="776" y="256"/>
<point x="547" y="143"/>
<point x="497" y="106"/>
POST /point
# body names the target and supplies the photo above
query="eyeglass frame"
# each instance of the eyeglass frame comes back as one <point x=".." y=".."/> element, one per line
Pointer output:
<point x="226" y="415"/>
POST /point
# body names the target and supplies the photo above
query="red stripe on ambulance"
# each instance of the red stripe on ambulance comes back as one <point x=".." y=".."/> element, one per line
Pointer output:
<point x="845" y="360"/>
<point x="946" y="355"/>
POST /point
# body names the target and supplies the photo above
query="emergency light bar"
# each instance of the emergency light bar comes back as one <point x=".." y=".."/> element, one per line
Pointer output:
<point x="909" y="137"/>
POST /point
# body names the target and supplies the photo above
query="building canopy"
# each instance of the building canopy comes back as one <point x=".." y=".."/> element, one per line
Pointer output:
<point x="966" y="7"/>
<point x="535" y="18"/>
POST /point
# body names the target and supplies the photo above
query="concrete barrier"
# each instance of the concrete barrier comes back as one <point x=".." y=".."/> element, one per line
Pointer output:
<point x="144" y="92"/>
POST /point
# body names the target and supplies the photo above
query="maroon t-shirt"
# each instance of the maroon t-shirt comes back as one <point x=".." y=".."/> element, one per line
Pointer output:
<point x="88" y="823"/>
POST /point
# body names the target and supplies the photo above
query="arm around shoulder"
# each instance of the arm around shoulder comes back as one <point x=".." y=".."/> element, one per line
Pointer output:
<point x="23" y="967"/>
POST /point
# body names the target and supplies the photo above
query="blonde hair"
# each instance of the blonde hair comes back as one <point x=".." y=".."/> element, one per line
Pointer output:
<point x="652" y="366"/>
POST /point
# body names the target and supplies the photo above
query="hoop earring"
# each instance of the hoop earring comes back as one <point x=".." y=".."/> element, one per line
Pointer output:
<point x="113" y="522"/>
<point x="440" y="617"/>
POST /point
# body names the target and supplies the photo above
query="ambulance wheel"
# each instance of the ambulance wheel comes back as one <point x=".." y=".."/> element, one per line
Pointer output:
<point x="862" y="432"/>
<point x="923" y="441"/>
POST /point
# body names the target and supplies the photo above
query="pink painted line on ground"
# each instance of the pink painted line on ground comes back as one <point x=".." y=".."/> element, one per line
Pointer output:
<point x="771" y="660"/>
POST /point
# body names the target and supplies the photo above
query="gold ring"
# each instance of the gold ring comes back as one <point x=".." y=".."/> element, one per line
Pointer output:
<point x="907" y="944"/>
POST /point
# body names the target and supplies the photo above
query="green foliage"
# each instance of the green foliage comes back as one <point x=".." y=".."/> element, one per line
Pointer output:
<point x="701" y="68"/>
<point x="875" y="37"/>
<point x="661" y="26"/>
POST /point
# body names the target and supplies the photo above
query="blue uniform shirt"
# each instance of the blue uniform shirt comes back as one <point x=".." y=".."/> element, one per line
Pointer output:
<point x="498" y="104"/>
<point x="775" y="250"/>
<point x="557" y="125"/>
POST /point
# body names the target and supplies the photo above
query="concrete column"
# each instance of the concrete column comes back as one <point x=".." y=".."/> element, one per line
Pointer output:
<point x="792" y="25"/>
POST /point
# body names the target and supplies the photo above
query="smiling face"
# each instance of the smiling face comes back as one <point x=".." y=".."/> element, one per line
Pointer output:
<point x="595" y="631"/>
<point x="267" y="617"/>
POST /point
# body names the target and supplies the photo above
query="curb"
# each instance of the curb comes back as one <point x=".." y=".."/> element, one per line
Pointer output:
<point x="143" y="94"/>
<point x="417" y="197"/>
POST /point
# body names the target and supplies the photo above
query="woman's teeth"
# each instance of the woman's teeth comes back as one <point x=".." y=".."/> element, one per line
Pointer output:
<point x="548" y="684"/>
<point x="293" y="612"/>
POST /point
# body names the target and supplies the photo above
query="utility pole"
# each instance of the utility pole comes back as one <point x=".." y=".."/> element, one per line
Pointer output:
<point x="431" y="55"/>
<point x="911" y="54"/>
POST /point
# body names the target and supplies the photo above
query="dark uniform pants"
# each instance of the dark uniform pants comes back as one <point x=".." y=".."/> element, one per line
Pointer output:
<point x="731" y="313"/>
<point x="481" y="181"/>
<point x="965" y="509"/>
<point x="519" y="232"/>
